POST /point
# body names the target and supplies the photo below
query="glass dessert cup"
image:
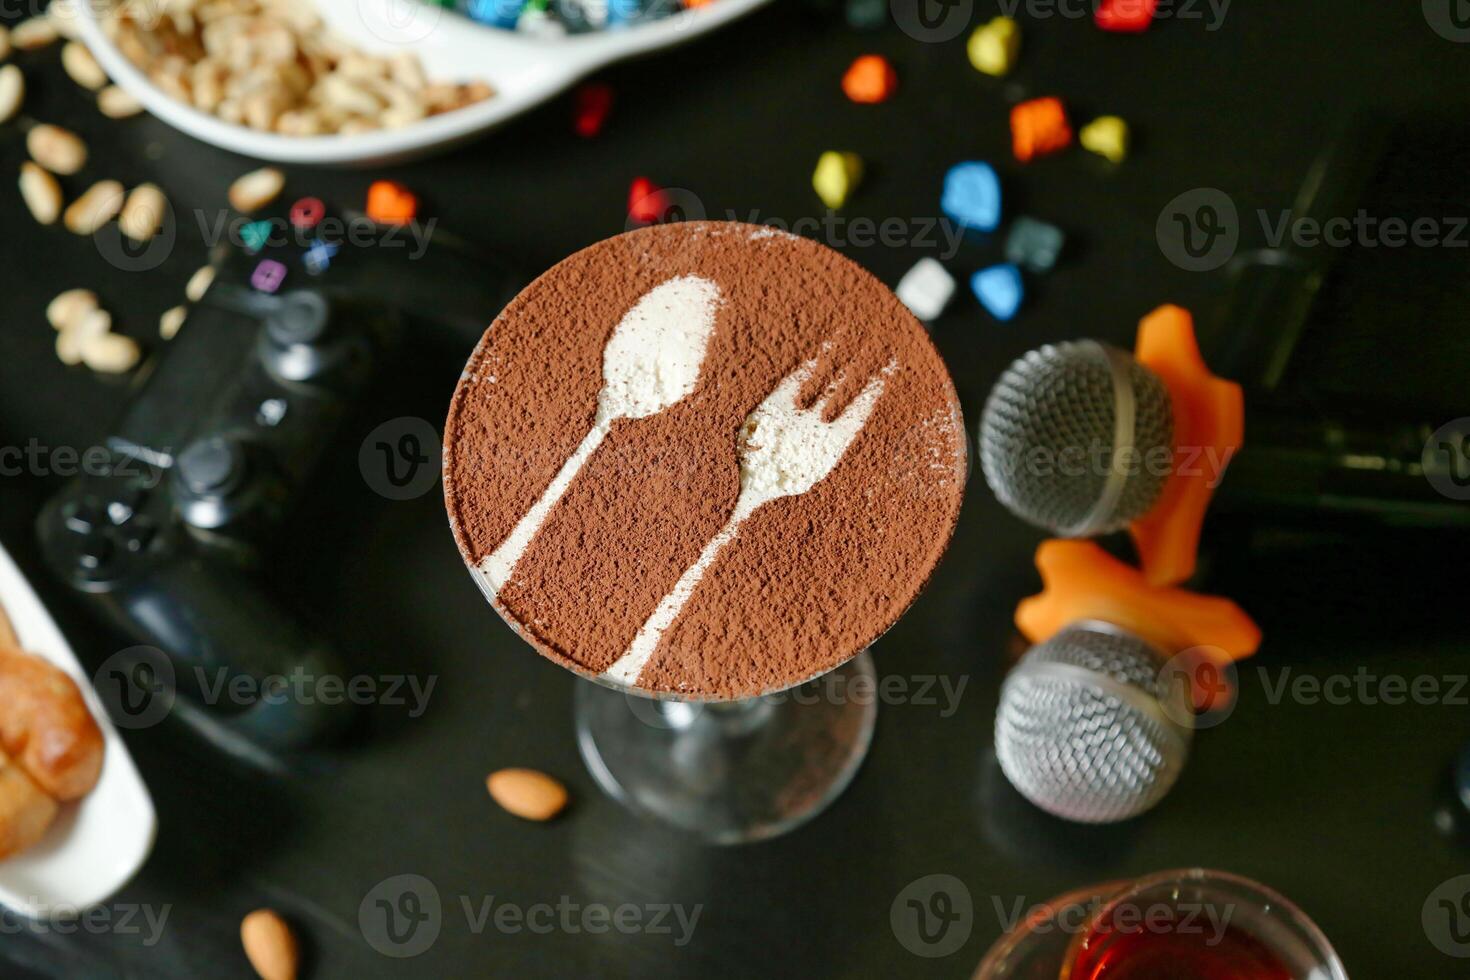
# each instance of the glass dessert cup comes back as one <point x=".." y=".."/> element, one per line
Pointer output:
<point x="730" y="772"/>
<point x="1210" y="925"/>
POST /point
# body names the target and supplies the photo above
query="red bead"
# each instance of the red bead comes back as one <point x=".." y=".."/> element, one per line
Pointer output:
<point x="592" y="104"/>
<point x="306" y="212"/>
<point x="647" y="203"/>
<point x="1125" y="16"/>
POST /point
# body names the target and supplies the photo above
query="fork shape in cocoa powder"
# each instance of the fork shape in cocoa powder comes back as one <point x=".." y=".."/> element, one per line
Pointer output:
<point x="784" y="451"/>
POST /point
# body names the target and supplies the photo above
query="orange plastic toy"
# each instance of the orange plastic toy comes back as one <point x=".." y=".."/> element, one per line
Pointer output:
<point x="870" y="79"/>
<point x="1039" y="127"/>
<point x="1082" y="581"/>
<point x="390" y="203"/>
<point x="1209" y="427"/>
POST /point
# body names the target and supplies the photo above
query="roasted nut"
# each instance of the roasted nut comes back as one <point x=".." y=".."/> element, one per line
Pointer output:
<point x="270" y="945"/>
<point x="58" y="150"/>
<point x="41" y="193"/>
<point x="527" y="793"/>
<point x="35" y="33"/>
<point x="12" y="92"/>
<point x="67" y="308"/>
<point x="199" y="283"/>
<point x="142" y="212"/>
<point x="116" y="103"/>
<point x="98" y="205"/>
<point x="81" y="66"/>
<point x="171" y="321"/>
<point x="256" y="189"/>
<point x="109" y="353"/>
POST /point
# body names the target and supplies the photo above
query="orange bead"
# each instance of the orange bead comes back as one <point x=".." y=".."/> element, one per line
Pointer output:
<point x="870" y="79"/>
<point x="390" y="203"/>
<point x="1039" y="127"/>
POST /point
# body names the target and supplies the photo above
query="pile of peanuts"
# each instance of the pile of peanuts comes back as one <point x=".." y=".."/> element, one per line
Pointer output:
<point x="272" y="66"/>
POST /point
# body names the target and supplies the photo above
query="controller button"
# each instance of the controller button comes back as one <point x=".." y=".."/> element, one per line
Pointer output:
<point x="94" y="551"/>
<point x="120" y="512"/>
<point x="213" y="465"/>
<point x="271" y="412"/>
<point x="307" y="212"/>
<point x="301" y="317"/>
<point x="75" y="521"/>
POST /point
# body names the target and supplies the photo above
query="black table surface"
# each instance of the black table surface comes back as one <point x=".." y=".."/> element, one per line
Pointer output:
<point x="1330" y="804"/>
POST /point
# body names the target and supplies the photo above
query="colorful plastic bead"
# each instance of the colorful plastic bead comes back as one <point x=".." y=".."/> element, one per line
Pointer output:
<point x="1125" y="16"/>
<point x="836" y="177"/>
<point x="971" y="195"/>
<point x="647" y="203"/>
<point x="994" y="46"/>
<point x="999" y="289"/>
<point x="496" y="13"/>
<point x="1034" y="245"/>
<point x="926" y="289"/>
<point x="268" y="276"/>
<point x="1107" y="136"/>
<point x="390" y="203"/>
<point x="590" y="108"/>
<point x="870" y="79"/>
<point x="307" y="212"/>
<point x="866" y="15"/>
<point x="1039" y="127"/>
<point x="255" y="236"/>
<point x="319" y="256"/>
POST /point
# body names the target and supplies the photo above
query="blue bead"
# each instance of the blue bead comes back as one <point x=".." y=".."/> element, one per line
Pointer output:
<point x="999" y="289"/>
<point x="972" y="196"/>
<point x="496" y="13"/>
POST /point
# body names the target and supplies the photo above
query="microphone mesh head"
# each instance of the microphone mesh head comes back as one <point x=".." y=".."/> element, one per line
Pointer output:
<point x="1047" y="439"/>
<point x="1086" y="729"/>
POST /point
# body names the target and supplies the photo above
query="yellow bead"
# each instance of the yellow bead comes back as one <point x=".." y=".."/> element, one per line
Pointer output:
<point x="994" y="46"/>
<point x="1107" y="136"/>
<point x="836" y="177"/>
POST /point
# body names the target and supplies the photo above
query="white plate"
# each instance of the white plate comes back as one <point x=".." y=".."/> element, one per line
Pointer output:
<point x="97" y="844"/>
<point x="524" y="72"/>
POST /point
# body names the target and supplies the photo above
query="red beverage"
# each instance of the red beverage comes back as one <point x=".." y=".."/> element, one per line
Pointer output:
<point x="1163" y="945"/>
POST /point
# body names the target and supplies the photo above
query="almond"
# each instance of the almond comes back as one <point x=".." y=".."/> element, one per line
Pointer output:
<point x="41" y="193"/>
<point x="98" y="205"/>
<point x="64" y="311"/>
<point x="270" y="945"/>
<point x="12" y="92"/>
<point x="58" y="150"/>
<point x="81" y="66"/>
<point x="116" y="103"/>
<point x="527" y="794"/>
<point x="256" y="189"/>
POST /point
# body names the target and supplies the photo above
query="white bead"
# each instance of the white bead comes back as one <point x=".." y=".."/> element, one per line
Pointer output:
<point x="926" y="289"/>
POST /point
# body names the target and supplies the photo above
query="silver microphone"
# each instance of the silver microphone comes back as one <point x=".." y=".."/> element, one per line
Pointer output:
<point x="1088" y="729"/>
<point x="1073" y="438"/>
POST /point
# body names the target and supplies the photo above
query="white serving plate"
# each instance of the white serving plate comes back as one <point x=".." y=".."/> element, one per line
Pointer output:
<point x="97" y="844"/>
<point x="524" y="72"/>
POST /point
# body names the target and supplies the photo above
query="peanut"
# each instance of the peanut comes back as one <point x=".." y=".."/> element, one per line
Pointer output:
<point x="142" y="212"/>
<point x="41" y="193"/>
<point x="98" y="205"/>
<point x="58" y="150"/>
<point x="12" y="92"/>
<point x="81" y="66"/>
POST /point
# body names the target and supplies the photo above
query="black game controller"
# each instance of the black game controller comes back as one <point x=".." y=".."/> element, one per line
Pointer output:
<point x="170" y="539"/>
